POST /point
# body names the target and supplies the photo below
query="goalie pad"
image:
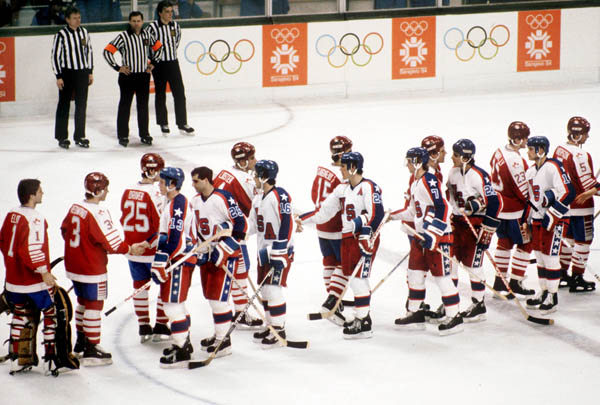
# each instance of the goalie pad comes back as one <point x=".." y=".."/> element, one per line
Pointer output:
<point x="63" y="344"/>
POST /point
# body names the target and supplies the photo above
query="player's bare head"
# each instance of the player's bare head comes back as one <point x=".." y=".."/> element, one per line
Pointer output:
<point x="463" y="153"/>
<point x="352" y="163"/>
<point x="518" y="132"/>
<point x="27" y="189"/>
<point x="537" y="147"/>
<point x="173" y="178"/>
<point x="435" y="147"/>
<point x="243" y="154"/>
<point x="201" y="178"/>
<point x="266" y="171"/>
<point x="338" y="146"/>
<point x="151" y="165"/>
<point x="578" y="129"/>
<point x="417" y="158"/>
<point x="96" y="185"/>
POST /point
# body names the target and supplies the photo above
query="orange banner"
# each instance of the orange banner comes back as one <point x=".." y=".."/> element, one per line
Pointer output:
<point x="539" y="40"/>
<point x="285" y="55"/>
<point x="7" y="69"/>
<point x="153" y="90"/>
<point x="413" y="47"/>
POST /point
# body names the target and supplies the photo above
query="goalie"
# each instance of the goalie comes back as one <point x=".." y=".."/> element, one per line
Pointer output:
<point x="30" y="286"/>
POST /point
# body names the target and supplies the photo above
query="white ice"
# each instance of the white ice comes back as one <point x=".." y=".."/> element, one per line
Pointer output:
<point x="502" y="360"/>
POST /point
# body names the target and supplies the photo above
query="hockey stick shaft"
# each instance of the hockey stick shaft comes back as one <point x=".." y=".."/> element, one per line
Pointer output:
<point x="287" y="343"/>
<point x="203" y="363"/>
<point x="361" y="262"/>
<point x="390" y="273"/>
<point x="196" y="249"/>
<point x="524" y="312"/>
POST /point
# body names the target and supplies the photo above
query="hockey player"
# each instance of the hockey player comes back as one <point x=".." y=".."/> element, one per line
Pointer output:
<point x="24" y="244"/>
<point x="429" y="210"/>
<point x="471" y="192"/>
<point x="551" y="192"/>
<point x="330" y="233"/>
<point x="141" y="207"/>
<point x="271" y="219"/>
<point x="176" y="237"/>
<point x="239" y="181"/>
<point x="90" y="234"/>
<point x="508" y="179"/>
<point x="216" y="209"/>
<point x="580" y="231"/>
<point x="362" y="213"/>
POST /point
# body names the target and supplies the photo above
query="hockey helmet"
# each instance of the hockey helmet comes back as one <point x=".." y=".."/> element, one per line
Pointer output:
<point x="517" y="131"/>
<point x="353" y="159"/>
<point x="266" y="169"/>
<point x="339" y="145"/>
<point x="417" y="156"/>
<point x="95" y="183"/>
<point x="578" y="126"/>
<point x="151" y="162"/>
<point x="465" y="148"/>
<point x="538" y="142"/>
<point x="432" y="143"/>
<point x="173" y="174"/>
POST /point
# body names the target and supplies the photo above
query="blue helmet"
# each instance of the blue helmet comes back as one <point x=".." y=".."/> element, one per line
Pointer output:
<point x="418" y="156"/>
<point x="353" y="158"/>
<point x="464" y="148"/>
<point x="539" y="142"/>
<point x="173" y="174"/>
<point x="266" y="169"/>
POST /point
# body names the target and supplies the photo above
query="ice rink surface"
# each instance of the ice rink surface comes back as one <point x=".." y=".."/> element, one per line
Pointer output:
<point x="502" y="360"/>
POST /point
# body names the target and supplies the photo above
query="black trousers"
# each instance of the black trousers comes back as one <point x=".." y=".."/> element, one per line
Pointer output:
<point x="164" y="72"/>
<point x="138" y="84"/>
<point x="75" y="82"/>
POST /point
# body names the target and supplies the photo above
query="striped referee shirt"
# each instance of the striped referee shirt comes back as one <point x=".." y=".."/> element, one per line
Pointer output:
<point x="169" y="36"/>
<point x="134" y="49"/>
<point x="72" y="49"/>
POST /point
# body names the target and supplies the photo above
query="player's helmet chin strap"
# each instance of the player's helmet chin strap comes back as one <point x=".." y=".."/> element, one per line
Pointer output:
<point x="243" y="167"/>
<point x="577" y="139"/>
<point x="416" y="165"/>
<point x="540" y="155"/>
<point x="517" y="142"/>
<point x="465" y="163"/>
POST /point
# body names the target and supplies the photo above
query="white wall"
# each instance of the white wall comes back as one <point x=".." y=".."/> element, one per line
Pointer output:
<point x="36" y="91"/>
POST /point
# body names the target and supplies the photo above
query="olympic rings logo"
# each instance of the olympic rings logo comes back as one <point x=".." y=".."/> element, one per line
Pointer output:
<point x="539" y="21"/>
<point x="287" y="35"/>
<point x="476" y="38"/>
<point x="349" y="46"/>
<point x="218" y="52"/>
<point x="414" y="28"/>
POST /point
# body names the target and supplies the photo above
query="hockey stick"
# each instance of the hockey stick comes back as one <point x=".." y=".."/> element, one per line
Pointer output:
<point x="285" y="342"/>
<point x="390" y="273"/>
<point x="530" y="318"/>
<point x="196" y="249"/>
<point x="192" y="364"/>
<point x="320" y="315"/>
<point x="540" y="321"/>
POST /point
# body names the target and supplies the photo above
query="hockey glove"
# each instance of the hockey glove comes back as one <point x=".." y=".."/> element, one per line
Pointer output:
<point x="159" y="266"/>
<point x="488" y="228"/>
<point x="357" y="224"/>
<point x="474" y="205"/>
<point x="364" y="242"/>
<point x="525" y="233"/>
<point x="279" y="259"/>
<point x="223" y="251"/>
<point x="429" y="240"/>
<point x="263" y="257"/>
<point x="551" y="218"/>
<point x="548" y="199"/>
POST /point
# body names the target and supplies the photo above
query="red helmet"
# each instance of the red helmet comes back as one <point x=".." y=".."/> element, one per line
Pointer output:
<point x="578" y="126"/>
<point x="95" y="183"/>
<point x="242" y="151"/>
<point x="518" y="130"/>
<point x="152" y="162"/>
<point x="432" y="143"/>
<point x="340" y="144"/>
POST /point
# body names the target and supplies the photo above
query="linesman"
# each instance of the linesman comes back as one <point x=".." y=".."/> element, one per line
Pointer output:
<point x="135" y="47"/>
<point x="168" y="32"/>
<point x="72" y="63"/>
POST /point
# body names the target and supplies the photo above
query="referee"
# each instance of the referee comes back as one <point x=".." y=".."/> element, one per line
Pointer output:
<point x="134" y="74"/>
<point x="168" y="32"/>
<point x="72" y="63"/>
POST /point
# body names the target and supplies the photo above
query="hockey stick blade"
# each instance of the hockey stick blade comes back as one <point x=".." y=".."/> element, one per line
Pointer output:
<point x="192" y="364"/>
<point x="297" y="345"/>
<point x="315" y="316"/>
<point x="540" y="321"/>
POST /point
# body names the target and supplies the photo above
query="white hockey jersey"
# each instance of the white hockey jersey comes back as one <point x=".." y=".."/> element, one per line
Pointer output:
<point x="475" y="183"/>
<point x="177" y="227"/>
<point x="580" y="169"/>
<point x="219" y="208"/>
<point x="271" y="220"/>
<point x="549" y="177"/>
<point x="508" y="179"/>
